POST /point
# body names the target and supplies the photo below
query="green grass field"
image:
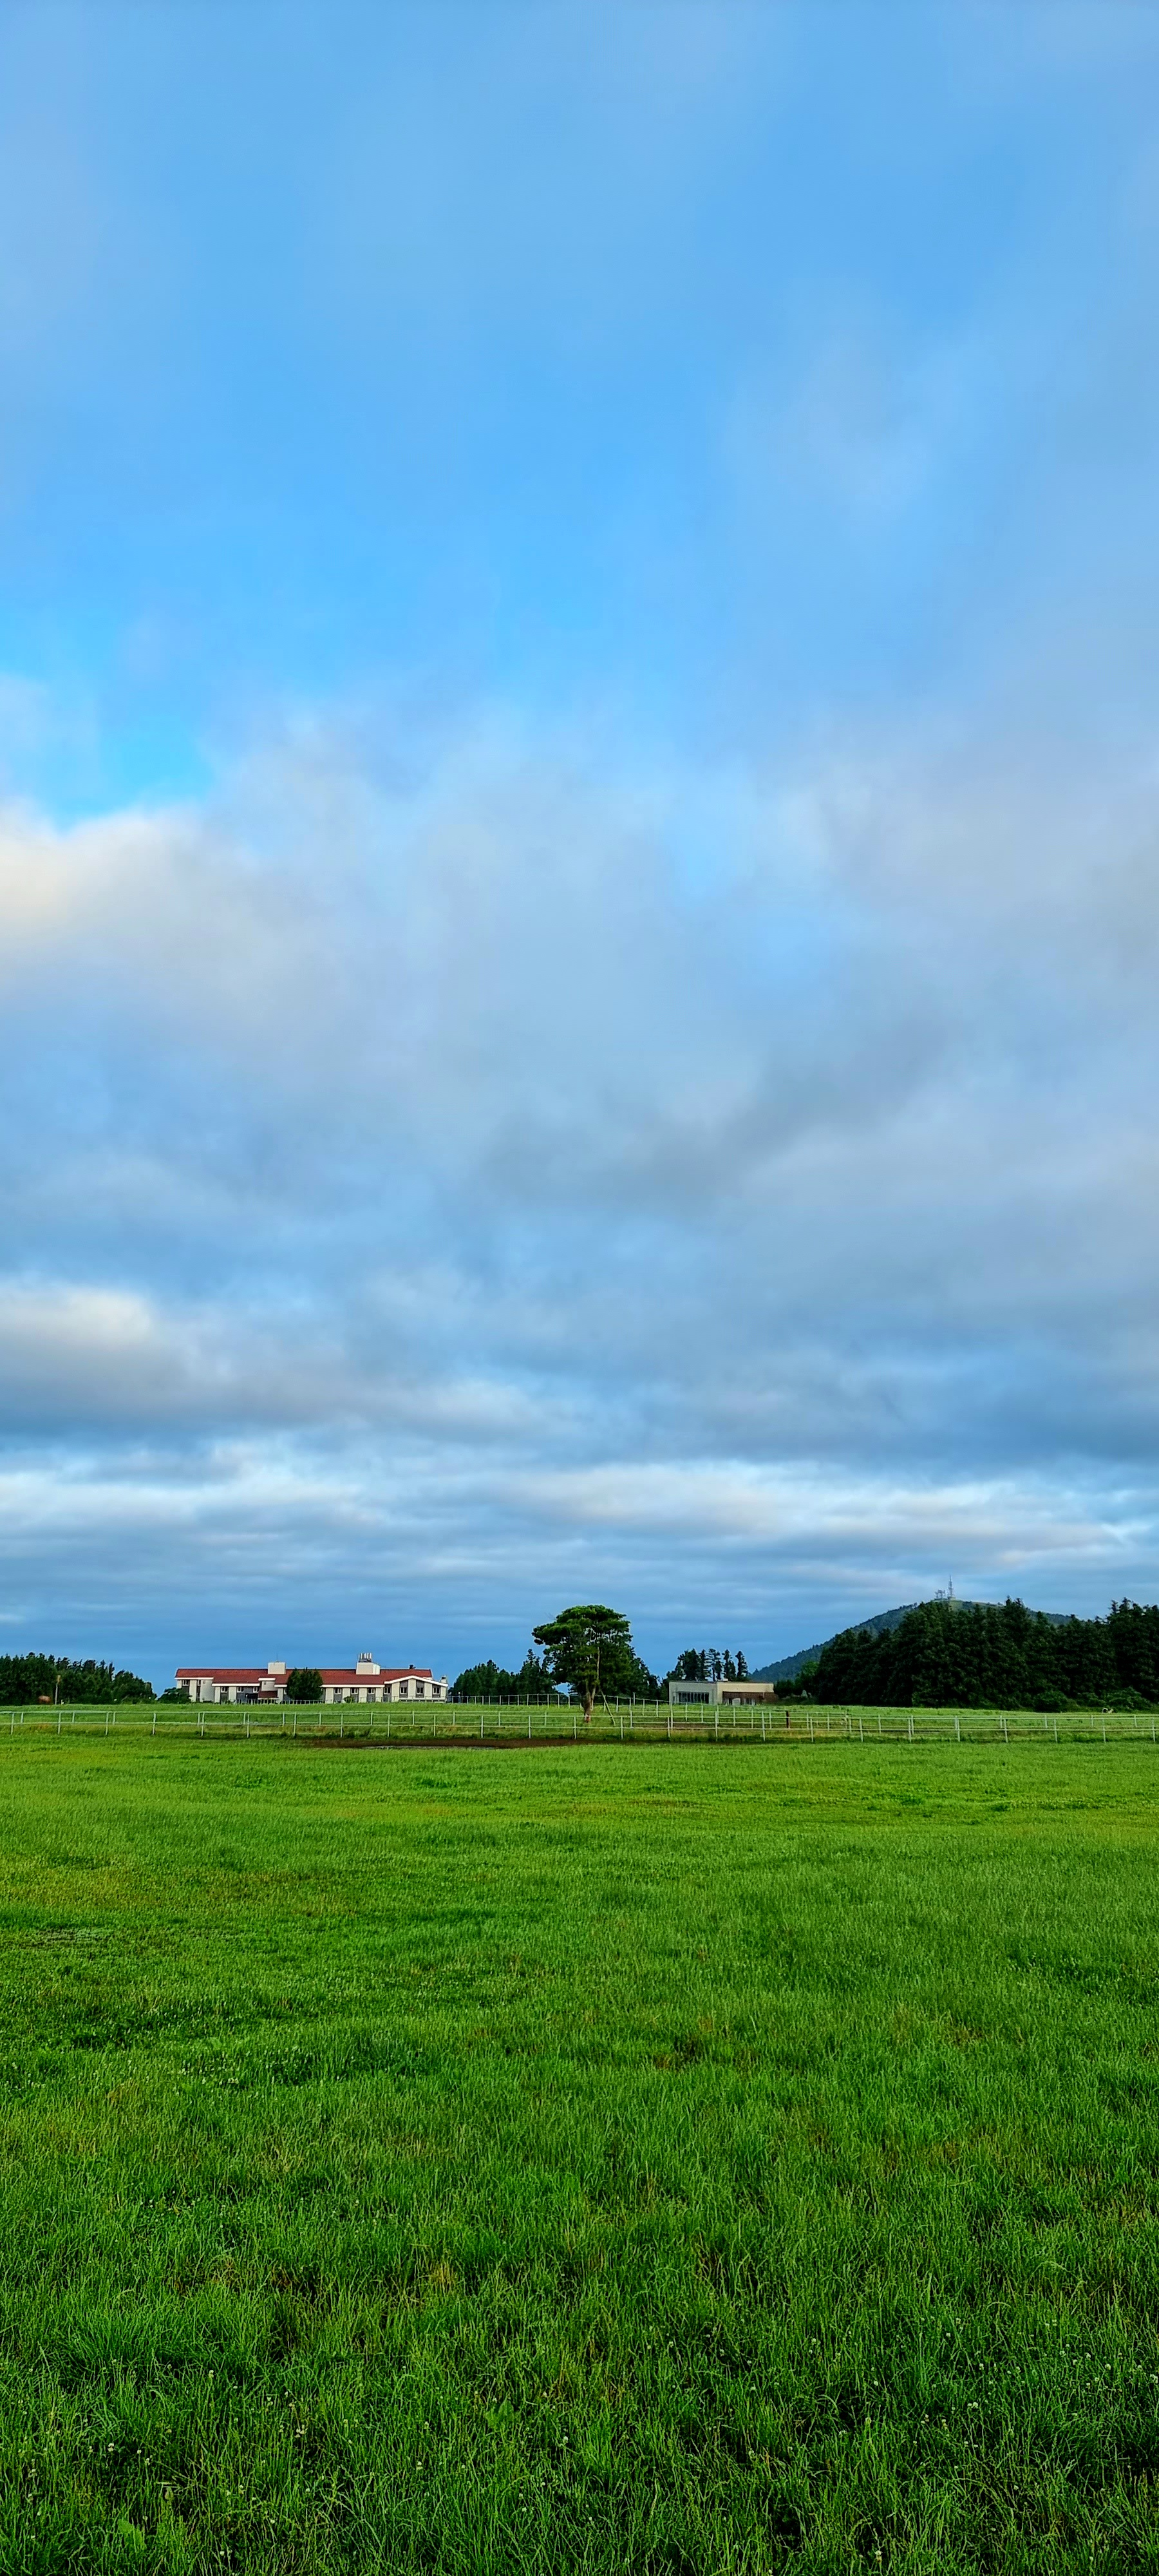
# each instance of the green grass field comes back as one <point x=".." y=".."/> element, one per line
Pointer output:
<point x="649" y="2158"/>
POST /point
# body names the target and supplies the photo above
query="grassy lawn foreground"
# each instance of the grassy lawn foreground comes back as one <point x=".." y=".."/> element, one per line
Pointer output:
<point x="668" y="2159"/>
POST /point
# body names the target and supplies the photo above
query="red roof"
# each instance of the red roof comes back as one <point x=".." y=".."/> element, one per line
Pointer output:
<point x="332" y="1673"/>
<point x="388" y="1673"/>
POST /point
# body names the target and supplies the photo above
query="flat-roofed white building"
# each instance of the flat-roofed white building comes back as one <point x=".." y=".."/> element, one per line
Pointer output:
<point x="365" y="1682"/>
<point x="720" y="1694"/>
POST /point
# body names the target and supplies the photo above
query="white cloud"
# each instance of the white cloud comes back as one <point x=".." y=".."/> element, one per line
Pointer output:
<point x="516" y="1195"/>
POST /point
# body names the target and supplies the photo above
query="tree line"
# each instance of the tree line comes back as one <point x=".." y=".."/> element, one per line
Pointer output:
<point x="494" y="1681"/>
<point x="708" y="1664"/>
<point x="949" y="1654"/>
<point x="27" y="1679"/>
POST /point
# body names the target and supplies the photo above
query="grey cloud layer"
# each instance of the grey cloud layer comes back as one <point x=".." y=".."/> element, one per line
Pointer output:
<point x="443" y="1135"/>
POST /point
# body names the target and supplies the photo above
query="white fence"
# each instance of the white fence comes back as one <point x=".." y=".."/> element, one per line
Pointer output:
<point x="510" y="1722"/>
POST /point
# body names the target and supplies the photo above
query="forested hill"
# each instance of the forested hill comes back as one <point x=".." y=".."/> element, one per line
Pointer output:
<point x="790" y="1665"/>
<point x="965" y="1654"/>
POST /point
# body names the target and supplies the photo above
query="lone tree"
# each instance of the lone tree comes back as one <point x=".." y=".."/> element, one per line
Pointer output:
<point x="305" y="1686"/>
<point x="589" y="1648"/>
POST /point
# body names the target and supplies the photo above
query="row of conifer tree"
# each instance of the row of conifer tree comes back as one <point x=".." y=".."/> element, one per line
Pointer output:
<point x="950" y="1654"/>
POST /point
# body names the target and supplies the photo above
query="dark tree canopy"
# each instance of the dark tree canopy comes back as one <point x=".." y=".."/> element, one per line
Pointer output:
<point x="494" y="1681"/>
<point x="304" y="1686"/>
<point x="951" y="1654"/>
<point x="25" y="1678"/>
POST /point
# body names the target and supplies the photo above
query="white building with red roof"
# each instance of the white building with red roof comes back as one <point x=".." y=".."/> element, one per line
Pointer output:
<point x="266" y="1684"/>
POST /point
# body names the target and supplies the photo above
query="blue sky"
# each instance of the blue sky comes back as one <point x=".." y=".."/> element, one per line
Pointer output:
<point x="580" y="776"/>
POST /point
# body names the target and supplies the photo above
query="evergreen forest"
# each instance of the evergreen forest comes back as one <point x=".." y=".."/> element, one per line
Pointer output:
<point x="951" y="1654"/>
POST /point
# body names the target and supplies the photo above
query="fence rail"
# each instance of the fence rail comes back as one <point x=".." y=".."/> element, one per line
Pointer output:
<point x="629" y="1722"/>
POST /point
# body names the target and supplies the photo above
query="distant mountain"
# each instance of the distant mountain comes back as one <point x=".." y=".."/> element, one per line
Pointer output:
<point x="790" y="1665"/>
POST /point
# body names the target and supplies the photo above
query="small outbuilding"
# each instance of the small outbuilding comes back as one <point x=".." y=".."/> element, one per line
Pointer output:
<point x="720" y="1694"/>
